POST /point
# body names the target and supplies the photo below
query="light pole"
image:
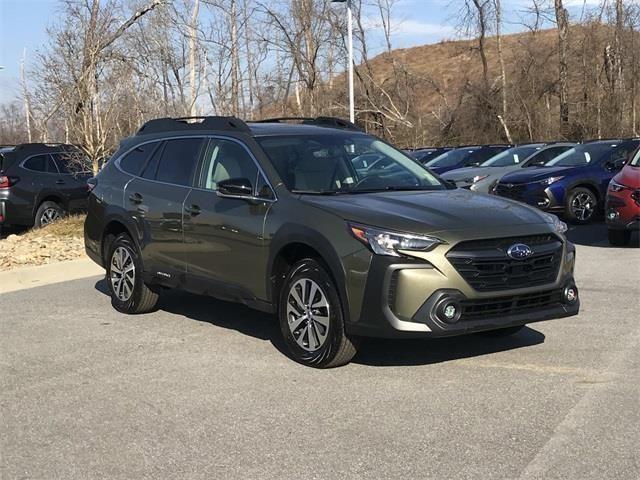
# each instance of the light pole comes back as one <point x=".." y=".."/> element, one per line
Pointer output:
<point x="352" y="115"/>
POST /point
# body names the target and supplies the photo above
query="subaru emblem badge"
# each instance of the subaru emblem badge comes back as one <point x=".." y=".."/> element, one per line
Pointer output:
<point x="519" y="251"/>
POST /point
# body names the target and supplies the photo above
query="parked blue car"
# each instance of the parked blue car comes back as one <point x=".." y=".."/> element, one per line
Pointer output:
<point x="574" y="183"/>
<point x="470" y="156"/>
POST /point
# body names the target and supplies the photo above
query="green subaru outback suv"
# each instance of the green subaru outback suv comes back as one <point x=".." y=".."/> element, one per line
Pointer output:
<point x="339" y="234"/>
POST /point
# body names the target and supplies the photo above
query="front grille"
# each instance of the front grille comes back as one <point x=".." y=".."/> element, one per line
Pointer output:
<point x="485" y="265"/>
<point x="511" y="190"/>
<point x="516" y="304"/>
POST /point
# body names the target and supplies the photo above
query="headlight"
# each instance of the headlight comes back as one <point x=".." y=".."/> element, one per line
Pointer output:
<point x="383" y="242"/>
<point x="550" y="180"/>
<point x="558" y="225"/>
<point x="616" y="187"/>
<point x="477" y="178"/>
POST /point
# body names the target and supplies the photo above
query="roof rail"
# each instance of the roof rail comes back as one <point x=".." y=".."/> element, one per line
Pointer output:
<point x="331" y="122"/>
<point x="43" y="147"/>
<point x="168" y="124"/>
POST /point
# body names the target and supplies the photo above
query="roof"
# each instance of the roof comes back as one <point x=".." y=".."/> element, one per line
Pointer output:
<point x="233" y="125"/>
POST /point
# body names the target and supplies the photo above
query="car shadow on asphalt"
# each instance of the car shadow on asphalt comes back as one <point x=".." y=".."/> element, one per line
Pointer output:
<point x="596" y="235"/>
<point x="372" y="352"/>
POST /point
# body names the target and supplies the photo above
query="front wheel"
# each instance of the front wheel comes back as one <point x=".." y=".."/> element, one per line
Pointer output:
<point x="581" y="205"/>
<point x="619" y="238"/>
<point x="129" y="294"/>
<point x="311" y="318"/>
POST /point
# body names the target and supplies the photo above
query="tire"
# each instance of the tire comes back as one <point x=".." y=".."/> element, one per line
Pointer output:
<point x="326" y="345"/>
<point x="47" y="212"/>
<point x="502" y="332"/>
<point x="581" y="206"/>
<point x="130" y="295"/>
<point x="619" y="238"/>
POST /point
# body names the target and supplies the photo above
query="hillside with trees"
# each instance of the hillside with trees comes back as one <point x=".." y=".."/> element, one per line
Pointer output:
<point x="109" y="65"/>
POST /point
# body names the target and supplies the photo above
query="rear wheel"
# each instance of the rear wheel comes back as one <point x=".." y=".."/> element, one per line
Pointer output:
<point x="311" y="319"/>
<point x="581" y="205"/>
<point x="129" y="294"/>
<point x="48" y="212"/>
<point x="619" y="238"/>
<point x="502" y="332"/>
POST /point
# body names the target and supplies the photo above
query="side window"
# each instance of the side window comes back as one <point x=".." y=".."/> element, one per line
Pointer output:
<point x="225" y="160"/>
<point x="151" y="169"/>
<point x="72" y="163"/>
<point x="133" y="161"/>
<point x="41" y="163"/>
<point x="178" y="160"/>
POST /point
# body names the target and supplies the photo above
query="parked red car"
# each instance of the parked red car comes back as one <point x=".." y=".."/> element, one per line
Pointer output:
<point x="623" y="202"/>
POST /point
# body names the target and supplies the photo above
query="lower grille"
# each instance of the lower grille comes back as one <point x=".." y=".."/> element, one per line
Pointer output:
<point x="516" y="304"/>
<point x="511" y="190"/>
<point x="485" y="265"/>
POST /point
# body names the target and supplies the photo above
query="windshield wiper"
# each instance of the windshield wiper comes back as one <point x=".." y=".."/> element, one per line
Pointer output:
<point x="316" y="192"/>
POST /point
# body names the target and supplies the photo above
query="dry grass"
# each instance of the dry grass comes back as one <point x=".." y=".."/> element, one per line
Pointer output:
<point x="68" y="227"/>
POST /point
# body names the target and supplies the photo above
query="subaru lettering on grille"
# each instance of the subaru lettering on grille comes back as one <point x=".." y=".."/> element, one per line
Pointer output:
<point x="519" y="251"/>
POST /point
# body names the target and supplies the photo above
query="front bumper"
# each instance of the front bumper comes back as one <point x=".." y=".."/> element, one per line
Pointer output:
<point x="548" y="198"/>
<point x="622" y="212"/>
<point x="406" y="300"/>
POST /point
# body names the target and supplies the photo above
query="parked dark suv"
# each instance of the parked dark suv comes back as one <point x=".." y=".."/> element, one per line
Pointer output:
<point x="41" y="182"/>
<point x="289" y="219"/>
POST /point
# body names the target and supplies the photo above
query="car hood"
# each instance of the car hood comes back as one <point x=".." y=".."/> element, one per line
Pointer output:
<point x="535" y="174"/>
<point x="429" y="212"/>
<point x="629" y="176"/>
<point x="470" y="172"/>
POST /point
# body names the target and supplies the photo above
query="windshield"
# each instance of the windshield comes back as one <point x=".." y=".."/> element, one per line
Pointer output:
<point x="582" y="155"/>
<point x="512" y="156"/>
<point x="450" y="158"/>
<point x="344" y="163"/>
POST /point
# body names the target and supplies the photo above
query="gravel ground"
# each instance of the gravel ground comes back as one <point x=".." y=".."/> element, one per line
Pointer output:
<point x="200" y="389"/>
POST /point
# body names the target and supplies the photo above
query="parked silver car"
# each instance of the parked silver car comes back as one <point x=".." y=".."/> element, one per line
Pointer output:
<point x="483" y="177"/>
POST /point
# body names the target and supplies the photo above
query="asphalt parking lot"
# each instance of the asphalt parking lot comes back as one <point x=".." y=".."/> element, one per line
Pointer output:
<point x="201" y="389"/>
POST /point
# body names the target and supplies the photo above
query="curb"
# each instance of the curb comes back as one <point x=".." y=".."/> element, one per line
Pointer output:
<point x="31" y="277"/>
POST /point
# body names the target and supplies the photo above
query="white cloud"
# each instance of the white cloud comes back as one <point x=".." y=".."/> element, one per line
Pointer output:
<point x="412" y="27"/>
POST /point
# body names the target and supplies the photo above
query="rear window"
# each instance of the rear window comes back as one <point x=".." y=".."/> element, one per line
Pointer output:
<point x="134" y="161"/>
<point x="40" y="163"/>
<point x="178" y="161"/>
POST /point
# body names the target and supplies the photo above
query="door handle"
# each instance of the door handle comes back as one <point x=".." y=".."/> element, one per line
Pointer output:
<point x="60" y="182"/>
<point x="193" y="210"/>
<point x="135" y="198"/>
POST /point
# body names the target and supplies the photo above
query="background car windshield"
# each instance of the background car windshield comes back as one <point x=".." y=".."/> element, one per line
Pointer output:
<point x="344" y="163"/>
<point x="449" y="159"/>
<point x="512" y="156"/>
<point x="581" y="155"/>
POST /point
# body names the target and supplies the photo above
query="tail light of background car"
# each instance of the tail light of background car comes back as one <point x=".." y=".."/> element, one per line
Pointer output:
<point x="6" y="181"/>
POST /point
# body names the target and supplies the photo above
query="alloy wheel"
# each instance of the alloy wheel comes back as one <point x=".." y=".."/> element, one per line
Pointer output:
<point x="583" y="206"/>
<point x="308" y="313"/>
<point x="123" y="274"/>
<point x="49" y="215"/>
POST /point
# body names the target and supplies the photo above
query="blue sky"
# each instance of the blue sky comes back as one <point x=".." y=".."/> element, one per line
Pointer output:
<point x="23" y="26"/>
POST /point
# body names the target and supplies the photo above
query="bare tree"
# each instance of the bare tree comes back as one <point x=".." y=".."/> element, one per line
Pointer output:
<point x="562" y="20"/>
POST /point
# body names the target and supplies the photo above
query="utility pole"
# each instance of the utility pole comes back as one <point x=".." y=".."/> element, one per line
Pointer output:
<point x="352" y="115"/>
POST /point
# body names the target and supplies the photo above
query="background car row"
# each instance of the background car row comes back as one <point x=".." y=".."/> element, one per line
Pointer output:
<point x="569" y="179"/>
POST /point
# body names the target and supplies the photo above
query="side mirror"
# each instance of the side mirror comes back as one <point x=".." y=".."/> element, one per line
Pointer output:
<point x="450" y="184"/>
<point x="615" y="165"/>
<point x="235" y="188"/>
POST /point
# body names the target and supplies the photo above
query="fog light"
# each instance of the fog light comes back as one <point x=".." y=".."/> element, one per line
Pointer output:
<point x="613" y="215"/>
<point x="571" y="294"/>
<point x="448" y="310"/>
